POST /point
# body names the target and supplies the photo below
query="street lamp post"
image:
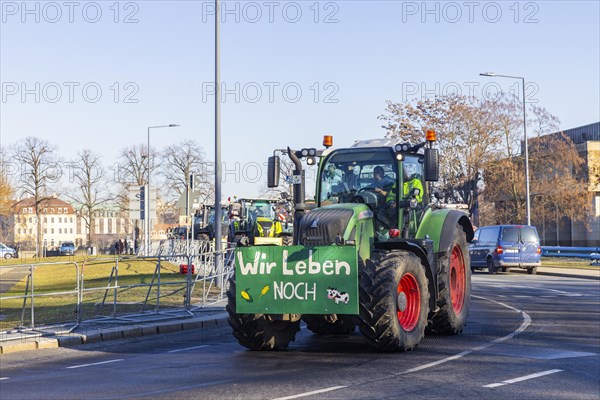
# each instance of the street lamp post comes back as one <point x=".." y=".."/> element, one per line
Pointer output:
<point x="527" y="202"/>
<point x="147" y="216"/>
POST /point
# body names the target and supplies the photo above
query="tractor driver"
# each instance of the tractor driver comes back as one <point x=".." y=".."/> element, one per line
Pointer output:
<point x="382" y="183"/>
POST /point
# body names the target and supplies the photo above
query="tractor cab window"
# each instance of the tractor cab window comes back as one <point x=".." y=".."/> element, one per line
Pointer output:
<point x="211" y="217"/>
<point x="367" y="173"/>
<point x="261" y="210"/>
<point x="413" y="177"/>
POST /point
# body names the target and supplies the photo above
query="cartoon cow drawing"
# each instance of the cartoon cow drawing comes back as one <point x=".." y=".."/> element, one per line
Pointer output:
<point x="337" y="296"/>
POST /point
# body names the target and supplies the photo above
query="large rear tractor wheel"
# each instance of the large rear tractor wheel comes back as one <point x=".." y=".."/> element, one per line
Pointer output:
<point x="454" y="288"/>
<point x="331" y="324"/>
<point x="394" y="301"/>
<point x="259" y="331"/>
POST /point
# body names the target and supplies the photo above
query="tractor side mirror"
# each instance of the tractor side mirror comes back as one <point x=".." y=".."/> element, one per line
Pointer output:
<point x="273" y="169"/>
<point x="432" y="165"/>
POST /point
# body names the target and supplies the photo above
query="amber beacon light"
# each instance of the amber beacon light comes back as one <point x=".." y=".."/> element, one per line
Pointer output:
<point x="328" y="141"/>
<point x="430" y="135"/>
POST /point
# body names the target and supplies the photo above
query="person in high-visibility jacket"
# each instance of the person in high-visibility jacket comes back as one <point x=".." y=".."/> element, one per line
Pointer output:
<point x="411" y="181"/>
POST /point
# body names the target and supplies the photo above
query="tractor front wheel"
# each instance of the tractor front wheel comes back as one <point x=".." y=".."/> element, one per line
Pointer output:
<point x="454" y="287"/>
<point x="259" y="331"/>
<point x="394" y="301"/>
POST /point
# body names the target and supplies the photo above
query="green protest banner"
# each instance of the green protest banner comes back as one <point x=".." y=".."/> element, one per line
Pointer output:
<point x="296" y="280"/>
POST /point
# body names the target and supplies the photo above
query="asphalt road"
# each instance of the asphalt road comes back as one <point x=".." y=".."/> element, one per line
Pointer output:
<point x="528" y="337"/>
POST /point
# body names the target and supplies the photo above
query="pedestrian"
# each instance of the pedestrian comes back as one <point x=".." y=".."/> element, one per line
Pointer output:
<point x="125" y="247"/>
<point x="120" y="246"/>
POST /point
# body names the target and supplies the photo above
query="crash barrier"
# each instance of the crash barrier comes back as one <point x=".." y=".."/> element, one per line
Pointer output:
<point x="123" y="289"/>
<point x="591" y="253"/>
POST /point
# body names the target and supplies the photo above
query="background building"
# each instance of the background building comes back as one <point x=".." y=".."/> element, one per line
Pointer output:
<point x="107" y="225"/>
<point x="57" y="223"/>
<point x="562" y="231"/>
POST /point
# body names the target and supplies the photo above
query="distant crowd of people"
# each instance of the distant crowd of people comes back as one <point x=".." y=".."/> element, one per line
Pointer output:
<point x="122" y="246"/>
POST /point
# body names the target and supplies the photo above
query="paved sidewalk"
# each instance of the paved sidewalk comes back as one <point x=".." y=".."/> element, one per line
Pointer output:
<point x="104" y="329"/>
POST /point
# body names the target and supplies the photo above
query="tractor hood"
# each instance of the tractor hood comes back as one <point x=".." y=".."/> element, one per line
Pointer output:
<point x="331" y="224"/>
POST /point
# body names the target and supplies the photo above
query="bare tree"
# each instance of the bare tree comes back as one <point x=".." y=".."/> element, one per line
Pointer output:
<point x="542" y="121"/>
<point x="558" y="187"/>
<point x="133" y="166"/>
<point x="89" y="187"/>
<point x="503" y="175"/>
<point x="594" y="170"/>
<point x="178" y="162"/>
<point x="467" y="134"/>
<point x="38" y="168"/>
<point x="132" y="170"/>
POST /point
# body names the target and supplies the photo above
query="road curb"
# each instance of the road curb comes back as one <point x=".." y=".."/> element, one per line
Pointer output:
<point x="559" y="274"/>
<point x="595" y="278"/>
<point x="95" y="335"/>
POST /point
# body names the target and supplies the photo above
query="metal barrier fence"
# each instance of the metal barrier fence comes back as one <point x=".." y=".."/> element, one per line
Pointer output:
<point x="591" y="253"/>
<point x="123" y="288"/>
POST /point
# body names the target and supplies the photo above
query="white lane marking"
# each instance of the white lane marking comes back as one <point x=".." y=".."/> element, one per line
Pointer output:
<point x="503" y="285"/>
<point x="4" y="379"/>
<point x="524" y="325"/>
<point x="296" y="396"/>
<point x="93" y="364"/>
<point x="523" y="378"/>
<point x="187" y="348"/>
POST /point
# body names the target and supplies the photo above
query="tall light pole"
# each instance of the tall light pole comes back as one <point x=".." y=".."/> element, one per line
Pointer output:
<point x="527" y="202"/>
<point x="147" y="217"/>
<point x="218" y="218"/>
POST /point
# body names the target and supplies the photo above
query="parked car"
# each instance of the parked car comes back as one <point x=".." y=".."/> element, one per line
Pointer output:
<point x="506" y="246"/>
<point x="67" y="249"/>
<point x="7" y="252"/>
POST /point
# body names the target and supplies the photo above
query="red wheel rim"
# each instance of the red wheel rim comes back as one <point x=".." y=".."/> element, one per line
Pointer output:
<point x="409" y="302"/>
<point x="457" y="279"/>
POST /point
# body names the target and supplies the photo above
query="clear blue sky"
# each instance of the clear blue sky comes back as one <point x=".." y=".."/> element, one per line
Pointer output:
<point x="366" y="53"/>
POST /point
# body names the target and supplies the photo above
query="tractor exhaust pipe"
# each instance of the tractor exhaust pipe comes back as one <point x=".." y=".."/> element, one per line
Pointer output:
<point x="298" y="180"/>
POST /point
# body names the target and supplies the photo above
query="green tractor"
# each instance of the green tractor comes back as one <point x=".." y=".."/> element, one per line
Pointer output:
<point x="259" y="222"/>
<point x="204" y="223"/>
<point x="375" y="251"/>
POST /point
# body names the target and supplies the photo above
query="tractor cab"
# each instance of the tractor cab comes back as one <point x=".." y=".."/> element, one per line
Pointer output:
<point x="387" y="177"/>
<point x="204" y="222"/>
<point x="257" y="218"/>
